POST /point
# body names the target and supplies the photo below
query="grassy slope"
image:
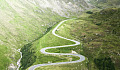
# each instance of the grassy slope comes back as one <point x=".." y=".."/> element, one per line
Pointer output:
<point x="38" y="58"/>
<point x="108" y="19"/>
<point x="100" y="37"/>
<point x="19" y="27"/>
<point x="105" y="3"/>
<point x="4" y="62"/>
<point x="64" y="31"/>
<point x="23" y="21"/>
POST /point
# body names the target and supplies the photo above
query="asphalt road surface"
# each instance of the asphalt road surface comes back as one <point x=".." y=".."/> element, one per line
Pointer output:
<point x="82" y="58"/>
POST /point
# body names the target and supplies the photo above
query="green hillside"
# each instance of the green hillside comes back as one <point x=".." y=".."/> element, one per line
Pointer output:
<point x="27" y="24"/>
<point x="108" y="19"/>
<point x="24" y="21"/>
<point x="99" y="35"/>
<point x="19" y="27"/>
<point x="105" y="3"/>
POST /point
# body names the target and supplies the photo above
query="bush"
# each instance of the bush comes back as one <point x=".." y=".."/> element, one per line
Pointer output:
<point x="104" y="63"/>
<point x="89" y="12"/>
<point x="28" y="56"/>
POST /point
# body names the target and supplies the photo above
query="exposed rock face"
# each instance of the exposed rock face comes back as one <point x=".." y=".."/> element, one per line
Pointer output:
<point x="62" y="7"/>
<point x="19" y="16"/>
<point x="12" y="67"/>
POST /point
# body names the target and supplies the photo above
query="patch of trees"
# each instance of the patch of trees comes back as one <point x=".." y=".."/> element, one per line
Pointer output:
<point x="104" y="63"/>
<point x="28" y="56"/>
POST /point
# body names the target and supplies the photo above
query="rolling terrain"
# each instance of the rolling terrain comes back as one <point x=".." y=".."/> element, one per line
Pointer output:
<point x="99" y="35"/>
<point x="26" y="27"/>
<point x="24" y="21"/>
<point x="102" y="4"/>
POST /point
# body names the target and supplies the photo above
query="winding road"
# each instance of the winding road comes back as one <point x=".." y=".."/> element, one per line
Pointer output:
<point x="82" y="58"/>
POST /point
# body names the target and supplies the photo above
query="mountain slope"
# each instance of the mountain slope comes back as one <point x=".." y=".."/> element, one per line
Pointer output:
<point x="105" y="3"/>
<point x="99" y="34"/>
<point x="108" y="19"/>
<point x="23" y="21"/>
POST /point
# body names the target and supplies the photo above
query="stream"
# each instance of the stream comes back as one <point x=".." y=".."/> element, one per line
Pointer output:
<point x="18" y="62"/>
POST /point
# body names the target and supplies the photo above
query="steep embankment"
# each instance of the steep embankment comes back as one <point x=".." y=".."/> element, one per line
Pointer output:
<point x="23" y="21"/>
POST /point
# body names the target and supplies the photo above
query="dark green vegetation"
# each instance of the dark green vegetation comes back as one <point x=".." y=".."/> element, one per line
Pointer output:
<point x="28" y="56"/>
<point x="104" y="64"/>
<point x="100" y="38"/>
<point x="105" y="3"/>
<point x="109" y="21"/>
<point x="89" y="12"/>
<point x="28" y="53"/>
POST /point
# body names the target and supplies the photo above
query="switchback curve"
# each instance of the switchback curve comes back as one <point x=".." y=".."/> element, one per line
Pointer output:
<point x="82" y="58"/>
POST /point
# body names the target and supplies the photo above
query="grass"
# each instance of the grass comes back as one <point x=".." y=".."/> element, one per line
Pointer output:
<point x="3" y="60"/>
<point x="99" y="36"/>
<point x="108" y="20"/>
<point x="64" y="50"/>
<point x="22" y="26"/>
<point x="51" y="40"/>
<point x="23" y="23"/>
<point x="48" y="40"/>
<point x="105" y="3"/>
<point x="75" y="66"/>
